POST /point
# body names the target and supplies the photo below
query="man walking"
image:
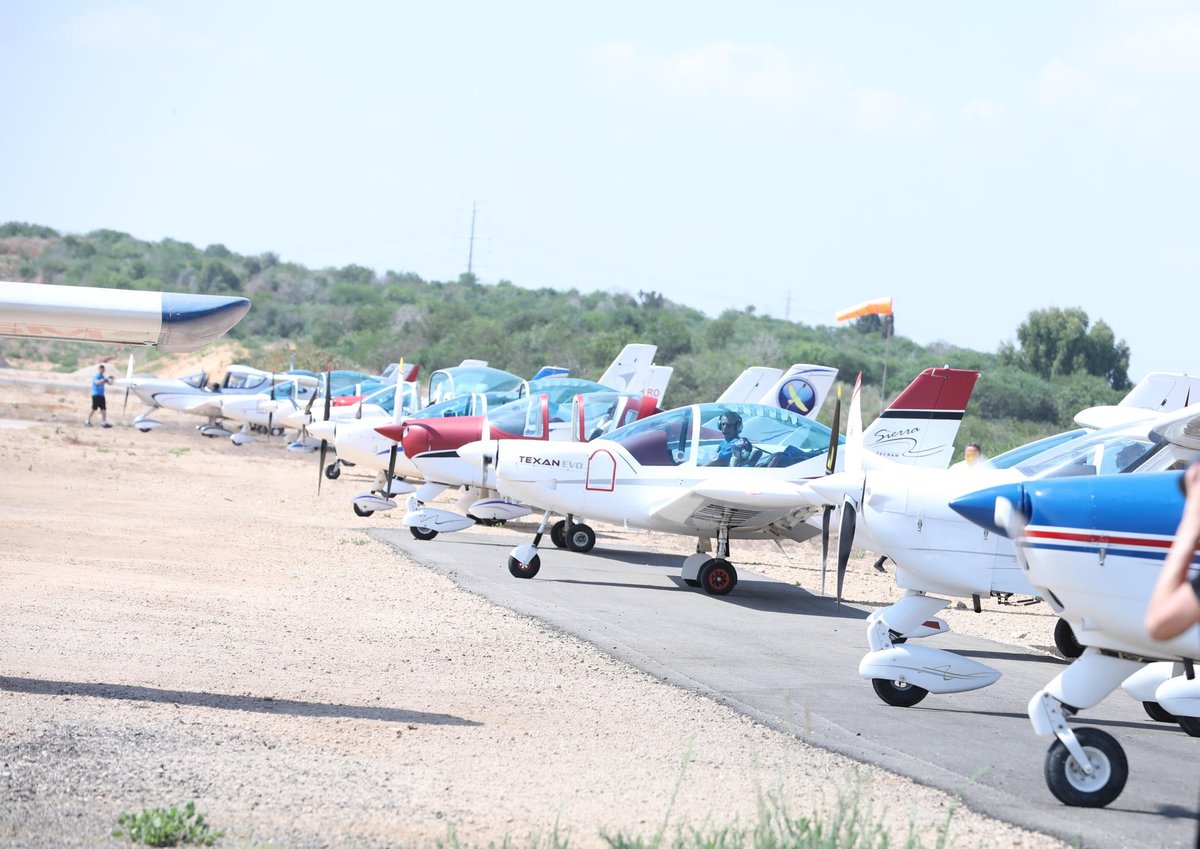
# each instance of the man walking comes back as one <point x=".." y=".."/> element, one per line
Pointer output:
<point x="99" y="381"/>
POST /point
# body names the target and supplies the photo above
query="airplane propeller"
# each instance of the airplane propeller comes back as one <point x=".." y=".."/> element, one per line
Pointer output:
<point x="128" y="381"/>
<point x="328" y="404"/>
<point x="830" y="463"/>
<point x="271" y="412"/>
<point x="845" y="544"/>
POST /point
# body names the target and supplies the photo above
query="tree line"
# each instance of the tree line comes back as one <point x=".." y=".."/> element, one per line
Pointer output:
<point x="1059" y="363"/>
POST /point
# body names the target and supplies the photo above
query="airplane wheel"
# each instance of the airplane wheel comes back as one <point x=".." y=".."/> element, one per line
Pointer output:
<point x="1071" y="786"/>
<point x="1159" y="713"/>
<point x="358" y="511"/>
<point x="718" y="577"/>
<point x="1065" y="642"/>
<point x="276" y="431"/>
<point x="581" y="539"/>
<point x="145" y="429"/>
<point x="898" y="693"/>
<point x="1190" y="724"/>
<point x="423" y="533"/>
<point x="558" y="533"/>
<point x="522" y="570"/>
<point x="333" y="471"/>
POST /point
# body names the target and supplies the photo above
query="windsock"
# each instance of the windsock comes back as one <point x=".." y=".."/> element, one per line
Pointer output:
<point x="879" y="306"/>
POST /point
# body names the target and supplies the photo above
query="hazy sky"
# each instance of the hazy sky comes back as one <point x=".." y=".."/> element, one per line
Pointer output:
<point x="974" y="161"/>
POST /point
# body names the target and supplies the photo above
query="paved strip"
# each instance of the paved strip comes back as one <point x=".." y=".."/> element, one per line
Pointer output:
<point x="789" y="659"/>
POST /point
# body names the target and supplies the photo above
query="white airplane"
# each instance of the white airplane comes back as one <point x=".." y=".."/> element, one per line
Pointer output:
<point x="904" y="514"/>
<point x="567" y="414"/>
<point x="1093" y="547"/>
<point x="169" y="321"/>
<point x="714" y="470"/>
<point x="471" y="388"/>
<point x="193" y="392"/>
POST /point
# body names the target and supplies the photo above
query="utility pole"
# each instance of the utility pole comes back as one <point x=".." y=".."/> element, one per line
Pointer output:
<point x="471" y="244"/>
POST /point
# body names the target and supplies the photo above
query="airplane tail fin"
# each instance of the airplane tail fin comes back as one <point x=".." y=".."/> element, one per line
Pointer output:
<point x="657" y="382"/>
<point x="801" y="389"/>
<point x="629" y="372"/>
<point x="919" y="427"/>
<point x="750" y="385"/>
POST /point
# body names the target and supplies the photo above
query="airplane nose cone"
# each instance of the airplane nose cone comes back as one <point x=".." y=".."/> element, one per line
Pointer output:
<point x="833" y="488"/>
<point x="980" y="508"/>
<point x="477" y="452"/>
<point x="323" y="430"/>
<point x="394" y="432"/>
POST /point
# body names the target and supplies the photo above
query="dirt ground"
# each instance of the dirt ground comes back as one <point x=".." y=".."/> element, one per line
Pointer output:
<point x="183" y="619"/>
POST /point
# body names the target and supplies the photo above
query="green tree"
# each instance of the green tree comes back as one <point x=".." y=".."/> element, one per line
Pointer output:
<point x="1057" y="342"/>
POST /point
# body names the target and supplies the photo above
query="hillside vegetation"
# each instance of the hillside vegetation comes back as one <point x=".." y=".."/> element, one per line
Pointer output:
<point x="353" y="318"/>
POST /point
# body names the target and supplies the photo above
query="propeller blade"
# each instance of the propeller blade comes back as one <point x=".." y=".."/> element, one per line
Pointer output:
<point x="325" y="443"/>
<point x="825" y="516"/>
<point x="845" y="545"/>
<point x="831" y="454"/>
<point x="391" y="469"/>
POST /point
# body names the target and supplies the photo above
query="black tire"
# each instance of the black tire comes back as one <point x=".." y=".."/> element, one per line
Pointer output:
<point x="1065" y="642"/>
<point x="423" y="533"/>
<point x="558" y="533"/>
<point x="521" y="570"/>
<point x="333" y="471"/>
<point x="718" y="577"/>
<point x="358" y="511"/>
<point x="1190" y="725"/>
<point x="1110" y="770"/>
<point x="1159" y="713"/>
<point x="898" y="693"/>
<point x="580" y="539"/>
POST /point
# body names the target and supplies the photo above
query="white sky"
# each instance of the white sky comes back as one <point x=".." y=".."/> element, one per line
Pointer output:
<point x="974" y="161"/>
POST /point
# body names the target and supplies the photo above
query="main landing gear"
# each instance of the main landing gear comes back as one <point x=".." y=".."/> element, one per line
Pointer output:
<point x="714" y="575"/>
<point x="577" y="537"/>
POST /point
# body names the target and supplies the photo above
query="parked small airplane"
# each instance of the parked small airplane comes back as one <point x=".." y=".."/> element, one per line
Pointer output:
<point x="169" y="321"/>
<point x="1092" y="547"/>
<point x="432" y="444"/>
<point x="714" y="470"/>
<point x="904" y="514"/>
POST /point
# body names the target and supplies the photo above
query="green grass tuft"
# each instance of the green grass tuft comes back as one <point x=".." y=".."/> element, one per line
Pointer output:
<point x="167" y="827"/>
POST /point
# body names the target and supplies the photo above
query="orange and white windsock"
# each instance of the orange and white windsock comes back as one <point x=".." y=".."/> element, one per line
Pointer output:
<point x="879" y="306"/>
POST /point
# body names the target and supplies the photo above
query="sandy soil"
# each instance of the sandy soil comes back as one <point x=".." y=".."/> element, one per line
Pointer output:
<point x="182" y="619"/>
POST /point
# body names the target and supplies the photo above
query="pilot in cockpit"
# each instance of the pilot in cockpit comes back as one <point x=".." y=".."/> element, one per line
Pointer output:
<point x="735" y="449"/>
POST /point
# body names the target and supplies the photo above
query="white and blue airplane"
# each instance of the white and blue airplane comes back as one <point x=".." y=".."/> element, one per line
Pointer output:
<point x="904" y="514"/>
<point x="1093" y="547"/>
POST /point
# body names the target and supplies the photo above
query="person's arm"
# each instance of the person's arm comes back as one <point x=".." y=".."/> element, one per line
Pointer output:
<point x="1174" y="606"/>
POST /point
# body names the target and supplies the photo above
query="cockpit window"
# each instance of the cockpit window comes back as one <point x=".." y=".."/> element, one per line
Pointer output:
<point x="1103" y="453"/>
<point x="466" y="380"/>
<point x="776" y="437"/>
<point x="662" y="440"/>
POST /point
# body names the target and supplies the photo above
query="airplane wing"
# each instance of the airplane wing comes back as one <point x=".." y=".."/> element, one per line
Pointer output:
<point x="170" y="321"/>
<point x="1182" y="430"/>
<point x="739" y="501"/>
<point x="204" y="407"/>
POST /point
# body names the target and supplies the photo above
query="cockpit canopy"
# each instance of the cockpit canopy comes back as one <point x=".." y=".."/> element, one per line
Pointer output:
<point x="690" y="435"/>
